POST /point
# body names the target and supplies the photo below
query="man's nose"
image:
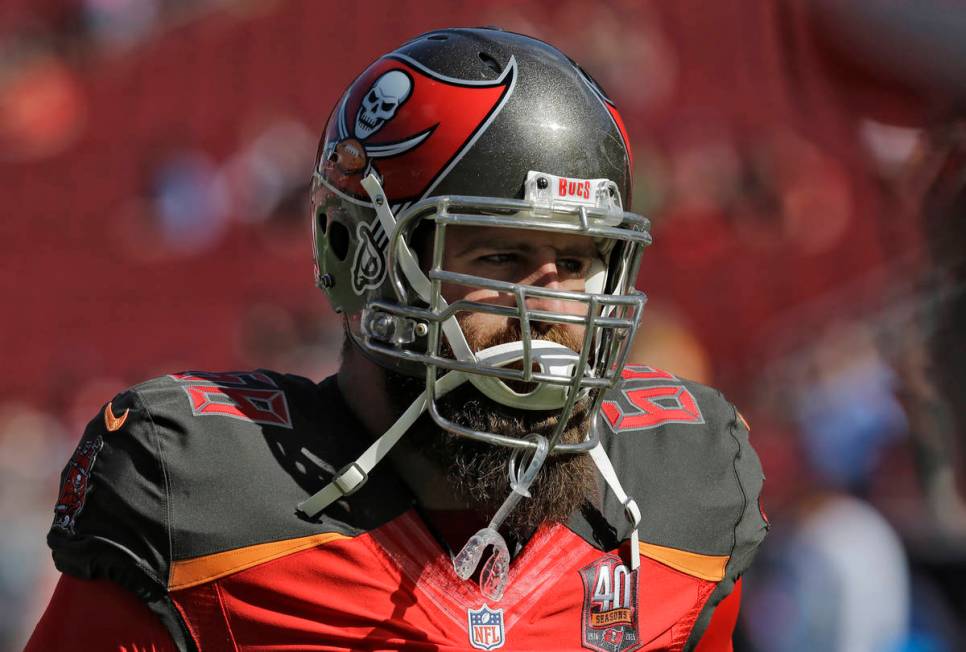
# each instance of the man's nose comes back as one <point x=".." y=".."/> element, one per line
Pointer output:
<point x="546" y="275"/>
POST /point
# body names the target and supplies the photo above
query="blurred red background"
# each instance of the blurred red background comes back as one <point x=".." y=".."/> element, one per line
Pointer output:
<point x="154" y="160"/>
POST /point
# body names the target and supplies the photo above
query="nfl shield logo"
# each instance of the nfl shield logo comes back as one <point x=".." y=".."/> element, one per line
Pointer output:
<point x="486" y="628"/>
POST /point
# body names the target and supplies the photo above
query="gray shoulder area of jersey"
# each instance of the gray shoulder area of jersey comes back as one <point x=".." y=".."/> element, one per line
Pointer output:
<point x="681" y="450"/>
<point x="241" y="449"/>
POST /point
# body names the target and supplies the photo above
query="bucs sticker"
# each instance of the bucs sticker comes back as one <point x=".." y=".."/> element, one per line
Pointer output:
<point x="485" y="628"/>
<point x="609" y="615"/>
<point x="77" y="479"/>
<point x="409" y="126"/>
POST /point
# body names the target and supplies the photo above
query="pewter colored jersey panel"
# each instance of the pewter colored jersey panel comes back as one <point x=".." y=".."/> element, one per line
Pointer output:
<point x="172" y="485"/>
<point x="177" y="481"/>
<point x="695" y="477"/>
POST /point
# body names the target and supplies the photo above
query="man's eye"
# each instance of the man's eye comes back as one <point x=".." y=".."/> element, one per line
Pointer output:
<point x="574" y="266"/>
<point x="498" y="259"/>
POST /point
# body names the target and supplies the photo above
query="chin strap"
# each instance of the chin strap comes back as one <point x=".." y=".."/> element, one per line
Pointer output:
<point x="493" y="578"/>
<point x="351" y="477"/>
<point x="631" y="510"/>
<point x="410" y="268"/>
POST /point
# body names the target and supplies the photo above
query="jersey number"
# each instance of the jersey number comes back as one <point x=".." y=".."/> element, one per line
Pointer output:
<point x="249" y="396"/>
<point x="654" y="405"/>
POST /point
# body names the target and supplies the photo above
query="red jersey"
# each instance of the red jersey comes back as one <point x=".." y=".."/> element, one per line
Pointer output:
<point x="183" y="492"/>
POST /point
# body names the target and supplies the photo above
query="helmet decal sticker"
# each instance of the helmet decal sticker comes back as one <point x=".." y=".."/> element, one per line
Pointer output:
<point x="381" y="102"/>
<point x="410" y="126"/>
<point x="369" y="265"/>
<point x="407" y="124"/>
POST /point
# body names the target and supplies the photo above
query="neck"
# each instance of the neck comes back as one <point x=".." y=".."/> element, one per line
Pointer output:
<point x="362" y="385"/>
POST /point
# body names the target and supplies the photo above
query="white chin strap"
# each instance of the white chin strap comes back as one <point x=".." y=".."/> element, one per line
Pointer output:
<point x="548" y="357"/>
<point x="352" y="477"/>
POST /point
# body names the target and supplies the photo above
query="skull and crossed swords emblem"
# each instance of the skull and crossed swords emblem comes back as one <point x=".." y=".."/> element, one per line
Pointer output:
<point x="351" y="154"/>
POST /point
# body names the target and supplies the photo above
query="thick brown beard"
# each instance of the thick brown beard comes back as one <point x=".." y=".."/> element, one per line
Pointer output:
<point x="477" y="472"/>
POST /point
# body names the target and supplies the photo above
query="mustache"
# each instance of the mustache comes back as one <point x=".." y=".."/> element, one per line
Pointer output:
<point x="478" y="338"/>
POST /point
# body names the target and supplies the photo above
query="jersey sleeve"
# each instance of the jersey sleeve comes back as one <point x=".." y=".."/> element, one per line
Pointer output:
<point x="682" y="451"/>
<point x="102" y="615"/>
<point x="748" y="533"/>
<point x="111" y="519"/>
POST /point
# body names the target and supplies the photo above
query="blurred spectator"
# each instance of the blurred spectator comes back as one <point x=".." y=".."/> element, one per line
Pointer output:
<point x="42" y="103"/>
<point x="847" y="410"/>
<point x="270" y="168"/>
<point x="190" y="202"/>
<point x="836" y="581"/>
<point x="671" y="346"/>
<point x="118" y="24"/>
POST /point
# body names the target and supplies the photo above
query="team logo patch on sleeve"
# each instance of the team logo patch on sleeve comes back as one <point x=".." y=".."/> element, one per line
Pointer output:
<point x="73" y="493"/>
<point x="609" y="615"/>
<point x="486" y="628"/>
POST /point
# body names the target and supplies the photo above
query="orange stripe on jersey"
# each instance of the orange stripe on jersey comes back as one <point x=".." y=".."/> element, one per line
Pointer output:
<point x="192" y="572"/>
<point x="706" y="567"/>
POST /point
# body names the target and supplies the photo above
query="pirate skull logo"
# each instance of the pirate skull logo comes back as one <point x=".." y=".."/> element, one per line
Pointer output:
<point x="381" y="102"/>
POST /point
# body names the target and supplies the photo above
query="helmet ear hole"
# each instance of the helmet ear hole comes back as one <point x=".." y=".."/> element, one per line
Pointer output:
<point x="338" y="236"/>
<point x="321" y="222"/>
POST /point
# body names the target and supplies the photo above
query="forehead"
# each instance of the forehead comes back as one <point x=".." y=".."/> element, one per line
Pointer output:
<point x="463" y="239"/>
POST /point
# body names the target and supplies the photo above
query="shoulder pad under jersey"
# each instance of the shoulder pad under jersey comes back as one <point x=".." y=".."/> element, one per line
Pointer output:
<point x="681" y="450"/>
<point x="196" y="463"/>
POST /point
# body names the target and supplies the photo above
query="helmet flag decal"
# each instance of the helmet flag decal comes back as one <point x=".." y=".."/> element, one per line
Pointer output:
<point x="410" y="126"/>
<point x="614" y="114"/>
<point x="383" y="126"/>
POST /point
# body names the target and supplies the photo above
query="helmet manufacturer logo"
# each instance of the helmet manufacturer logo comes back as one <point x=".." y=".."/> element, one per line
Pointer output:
<point x="609" y="615"/>
<point x="369" y="265"/>
<point x="486" y="628"/>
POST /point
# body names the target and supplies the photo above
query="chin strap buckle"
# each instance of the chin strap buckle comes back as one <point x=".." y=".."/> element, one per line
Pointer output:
<point x="350" y="478"/>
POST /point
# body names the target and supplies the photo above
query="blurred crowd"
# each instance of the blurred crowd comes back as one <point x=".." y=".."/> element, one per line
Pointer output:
<point x="802" y="162"/>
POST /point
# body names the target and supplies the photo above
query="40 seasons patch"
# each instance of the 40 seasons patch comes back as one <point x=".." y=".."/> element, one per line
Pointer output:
<point x="609" y="614"/>
<point x="77" y="476"/>
<point x="486" y="628"/>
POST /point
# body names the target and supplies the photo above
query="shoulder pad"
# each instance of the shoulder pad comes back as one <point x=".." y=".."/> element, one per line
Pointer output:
<point x="196" y="463"/>
<point x="682" y="451"/>
<point x="110" y="516"/>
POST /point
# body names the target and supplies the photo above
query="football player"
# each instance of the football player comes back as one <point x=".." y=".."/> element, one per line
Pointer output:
<point x="487" y="469"/>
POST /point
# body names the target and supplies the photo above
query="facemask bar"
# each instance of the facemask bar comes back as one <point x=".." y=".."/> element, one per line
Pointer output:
<point x="610" y="321"/>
